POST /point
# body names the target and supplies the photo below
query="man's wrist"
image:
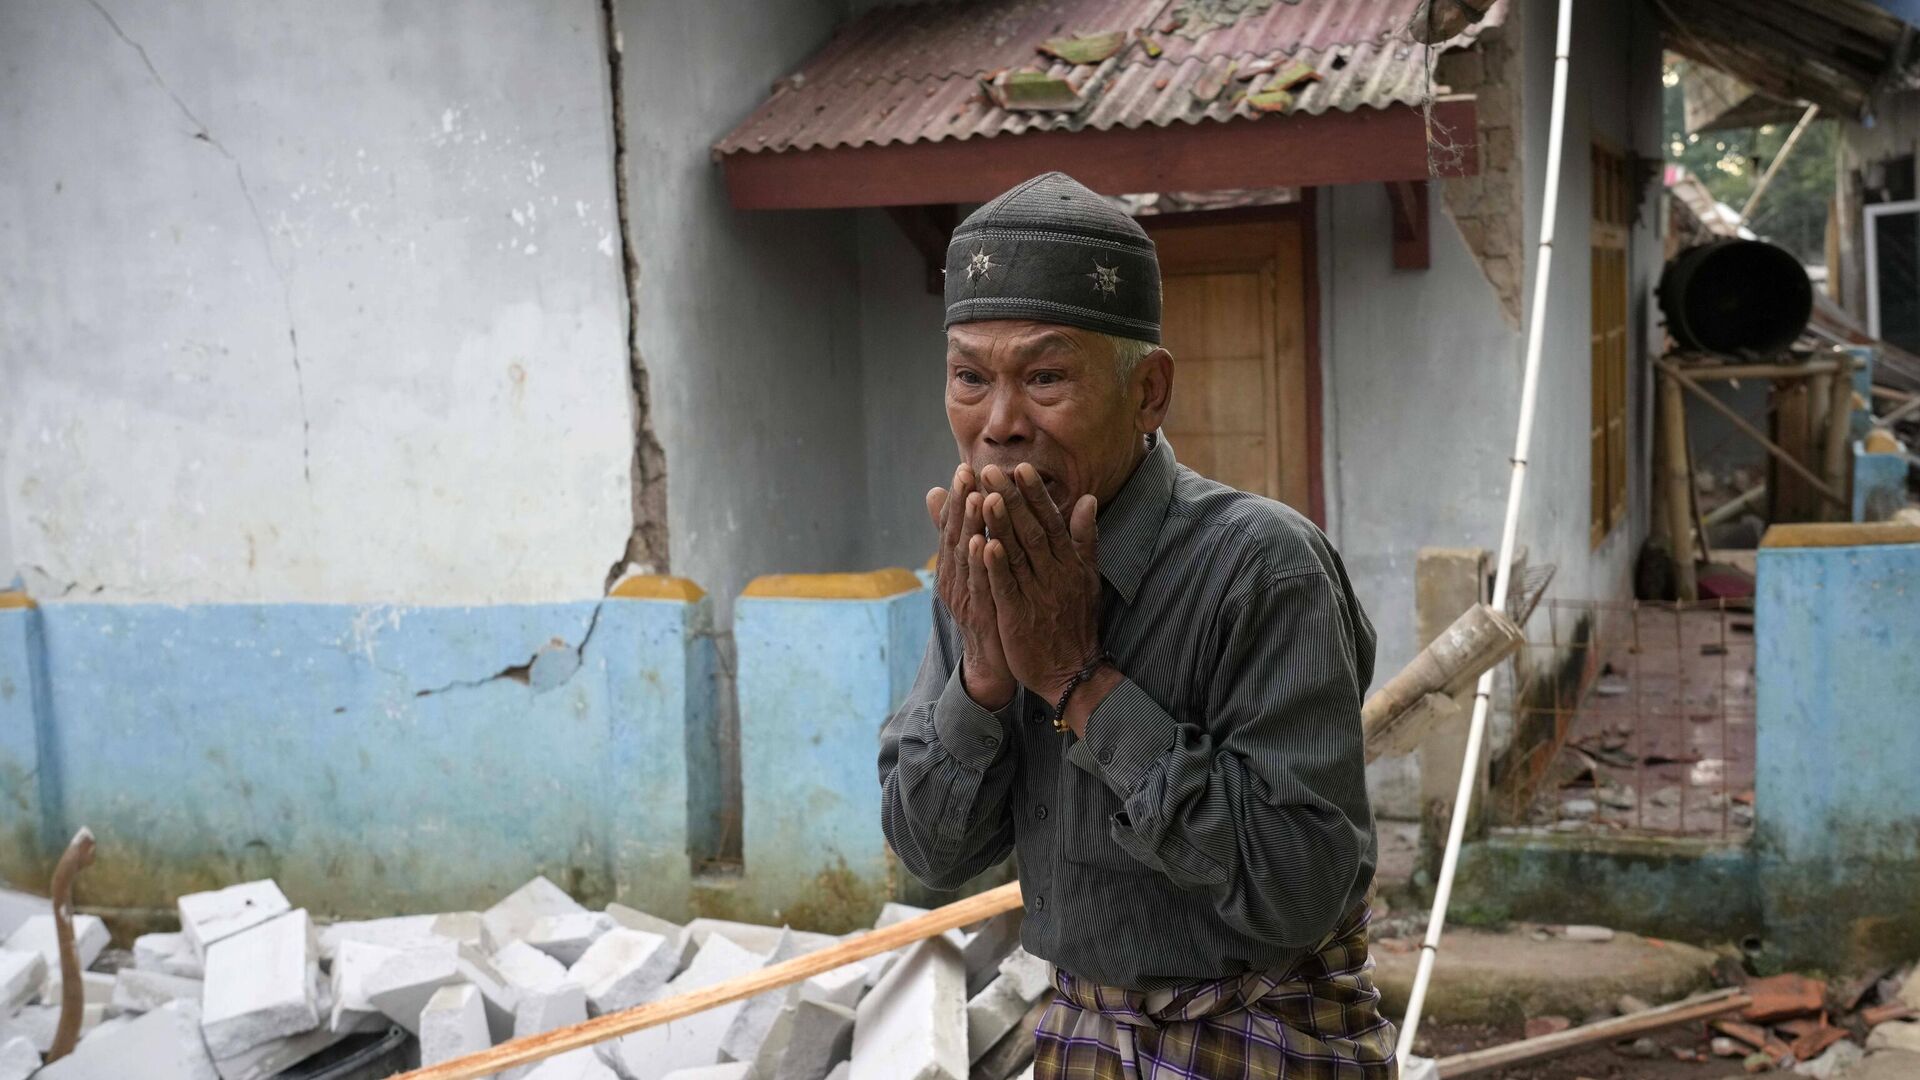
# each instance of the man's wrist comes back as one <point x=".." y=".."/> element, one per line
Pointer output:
<point x="989" y="693"/>
<point x="1087" y="697"/>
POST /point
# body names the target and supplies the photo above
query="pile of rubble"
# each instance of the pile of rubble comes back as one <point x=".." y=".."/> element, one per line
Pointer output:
<point x="1814" y="1029"/>
<point x="251" y="987"/>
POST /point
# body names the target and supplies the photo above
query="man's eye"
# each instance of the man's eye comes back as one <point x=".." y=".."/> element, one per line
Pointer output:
<point x="1046" y="378"/>
<point x="971" y="378"/>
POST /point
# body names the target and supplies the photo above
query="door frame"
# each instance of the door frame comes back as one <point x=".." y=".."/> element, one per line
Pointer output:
<point x="1302" y="213"/>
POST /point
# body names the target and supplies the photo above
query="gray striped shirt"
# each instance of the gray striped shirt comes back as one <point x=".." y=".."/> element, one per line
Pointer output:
<point x="1214" y="820"/>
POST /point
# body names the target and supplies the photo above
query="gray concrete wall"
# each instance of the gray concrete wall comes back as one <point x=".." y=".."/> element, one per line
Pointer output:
<point x="310" y="302"/>
<point x="749" y="320"/>
<point x="909" y="446"/>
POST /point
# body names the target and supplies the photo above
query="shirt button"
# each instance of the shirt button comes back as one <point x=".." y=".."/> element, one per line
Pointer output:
<point x="991" y="742"/>
<point x="1039" y="903"/>
<point x="1040" y="812"/>
<point x="1106" y="757"/>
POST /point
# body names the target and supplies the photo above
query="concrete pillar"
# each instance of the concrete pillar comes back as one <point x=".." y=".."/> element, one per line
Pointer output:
<point x="824" y="659"/>
<point x="27" y="841"/>
<point x="1446" y="582"/>
<point x="1837" y="628"/>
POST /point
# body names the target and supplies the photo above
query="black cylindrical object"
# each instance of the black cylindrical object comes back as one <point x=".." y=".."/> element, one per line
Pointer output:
<point x="1735" y="296"/>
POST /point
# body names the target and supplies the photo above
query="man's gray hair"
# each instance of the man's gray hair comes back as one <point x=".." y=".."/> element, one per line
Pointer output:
<point x="1128" y="352"/>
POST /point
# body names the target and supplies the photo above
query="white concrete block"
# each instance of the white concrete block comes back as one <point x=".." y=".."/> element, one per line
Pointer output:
<point x="353" y="963"/>
<point x="991" y="1014"/>
<point x="991" y="944"/>
<point x="841" y="986"/>
<point x="527" y="968"/>
<point x="262" y="984"/>
<point x="511" y="918"/>
<point x="453" y="1024"/>
<point x="743" y="1037"/>
<point x="566" y="937"/>
<point x="37" y="935"/>
<point x="17" y="907"/>
<point x="892" y="912"/>
<point x="912" y="1026"/>
<point x="496" y="993"/>
<point x="137" y="991"/>
<point x="693" y="1040"/>
<point x="545" y="996"/>
<point x="546" y="1010"/>
<point x="809" y="1038"/>
<point x="1031" y="976"/>
<point x="754" y="937"/>
<point x="730" y="1071"/>
<point x="168" y="954"/>
<point x="18" y="1058"/>
<point x="580" y="1064"/>
<point x="275" y="1056"/>
<point x="39" y="1022"/>
<point x="161" y="1045"/>
<point x="22" y="973"/>
<point x="208" y="917"/>
<point x="624" y="968"/>
<point x="447" y="931"/>
<point x="97" y="988"/>
<point x="402" y="985"/>
<point x="108" y="1026"/>
<point x="844" y="1070"/>
<point x="635" y="919"/>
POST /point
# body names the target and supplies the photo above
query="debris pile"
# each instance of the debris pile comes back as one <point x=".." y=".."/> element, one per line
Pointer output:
<point x="252" y="987"/>
<point x="1817" y="1029"/>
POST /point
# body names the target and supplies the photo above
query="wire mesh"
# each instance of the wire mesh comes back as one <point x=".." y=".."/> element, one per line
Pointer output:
<point x="1639" y="718"/>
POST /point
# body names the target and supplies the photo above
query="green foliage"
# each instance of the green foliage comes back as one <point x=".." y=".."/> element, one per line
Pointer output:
<point x="1793" y="214"/>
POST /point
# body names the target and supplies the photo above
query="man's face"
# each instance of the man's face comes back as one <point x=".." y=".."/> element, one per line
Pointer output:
<point x="1050" y="395"/>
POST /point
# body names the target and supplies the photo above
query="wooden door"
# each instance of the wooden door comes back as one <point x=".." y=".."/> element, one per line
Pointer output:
<point x="1236" y="320"/>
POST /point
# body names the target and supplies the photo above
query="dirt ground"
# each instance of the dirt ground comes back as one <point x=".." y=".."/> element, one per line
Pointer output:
<point x="1601" y="1062"/>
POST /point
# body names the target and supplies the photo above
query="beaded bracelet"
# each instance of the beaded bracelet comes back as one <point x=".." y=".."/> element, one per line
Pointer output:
<point x="1085" y="673"/>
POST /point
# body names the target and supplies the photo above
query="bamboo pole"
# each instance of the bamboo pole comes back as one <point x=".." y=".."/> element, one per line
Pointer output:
<point x="1839" y="425"/>
<point x="1516" y="494"/>
<point x="1736" y="506"/>
<point x="1699" y="1007"/>
<point x="1704" y="372"/>
<point x="1752" y="432"/>
<point x="1779" y="158"/>
<point x="1677" y="482"/>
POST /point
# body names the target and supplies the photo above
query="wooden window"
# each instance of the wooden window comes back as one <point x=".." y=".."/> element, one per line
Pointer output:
<point x="1612" y="218"/>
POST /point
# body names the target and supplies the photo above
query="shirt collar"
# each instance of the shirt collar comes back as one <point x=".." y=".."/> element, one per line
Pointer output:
<point x="1130" y="524"/>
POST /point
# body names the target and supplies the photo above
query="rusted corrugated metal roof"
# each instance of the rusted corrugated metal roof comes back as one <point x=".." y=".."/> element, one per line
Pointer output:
<point x="914" y="73"/>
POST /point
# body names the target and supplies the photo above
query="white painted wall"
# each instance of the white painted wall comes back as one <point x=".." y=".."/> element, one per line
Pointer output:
<point x="749" y="320"/>
<point x="424" y="198"/>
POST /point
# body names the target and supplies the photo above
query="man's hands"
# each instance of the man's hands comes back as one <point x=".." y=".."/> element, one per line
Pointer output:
<point x="1044" y="579"/>
<point x="1026" y="601"/>
<point x="960" y="576"/>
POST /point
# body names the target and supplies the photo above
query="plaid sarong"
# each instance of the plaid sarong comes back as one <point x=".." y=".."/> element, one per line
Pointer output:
<point x="1319" y="1020"/>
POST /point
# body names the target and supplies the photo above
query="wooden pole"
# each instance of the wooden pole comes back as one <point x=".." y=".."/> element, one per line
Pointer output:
<point x="1901" y="412"/>
<point x="1699" y="1007"/>
<point x="1750" y="431"/>
<point x="1477" y="640"/>
<point x="1779" y="158"/>
<point x="1839" y="425"/>
<point x="1679" y="484"/>
<point x="1737" y="505"/>
<point x="1704" y="372"/>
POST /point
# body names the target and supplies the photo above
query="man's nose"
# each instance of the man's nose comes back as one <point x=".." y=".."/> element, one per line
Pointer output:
<point x="1007" y="422"/>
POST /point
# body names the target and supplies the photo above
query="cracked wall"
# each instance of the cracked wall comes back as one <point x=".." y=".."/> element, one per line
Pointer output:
<point x="310" y="303"/>
<point x="1489" y="207"/>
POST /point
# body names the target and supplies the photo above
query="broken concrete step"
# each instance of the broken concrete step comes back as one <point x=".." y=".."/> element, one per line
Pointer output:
<point x="208" y="917"/>
<point x="808" y="1039"/>
<point x="18" y="1058"/>
<point x="262" y="984"/>
<point x="453" y="1024"/>
<point x="36" y="935"/>
<point x="22" y="974"/>
<point x="566" y="937"/>
<point x="162" y="1045"/>
<point x="353" y="963"/>
<point x="402" y="985"/>
<point x="624" y="968"/>
<point x="512" y="918"/>
<point x="448" y="930"/>
<point x="757" y="1014"/>
<point x="168" y="954"/>
<point x="692" y="1040"/>
<point x="913" y="1024"/>
<point x="137" y="991"/>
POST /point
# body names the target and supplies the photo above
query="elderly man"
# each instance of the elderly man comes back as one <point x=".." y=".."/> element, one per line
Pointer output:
<point x="1146" y="683"/>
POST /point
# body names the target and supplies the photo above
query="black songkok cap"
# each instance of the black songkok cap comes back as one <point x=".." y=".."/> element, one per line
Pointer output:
<point x="1053" y="251"/>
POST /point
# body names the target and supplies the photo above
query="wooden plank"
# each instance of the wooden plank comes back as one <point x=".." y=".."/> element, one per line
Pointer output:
<point x="1839" y="473"/>
<point x="1699" y="1007"/>
<point x="1704" y="372"/>
<point x="1365" y="145"/>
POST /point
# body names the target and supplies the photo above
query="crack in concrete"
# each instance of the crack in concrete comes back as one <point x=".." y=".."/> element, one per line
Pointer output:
<point x="522" y="673"/>
<point x="202" y="133"/>
<point x="647" y="538"/>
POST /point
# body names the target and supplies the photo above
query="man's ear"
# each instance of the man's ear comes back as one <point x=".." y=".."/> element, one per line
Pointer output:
<point x="1153" y="390"/>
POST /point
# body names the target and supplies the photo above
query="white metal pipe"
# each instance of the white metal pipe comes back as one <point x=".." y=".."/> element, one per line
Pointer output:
<point x="1503" y="570"/>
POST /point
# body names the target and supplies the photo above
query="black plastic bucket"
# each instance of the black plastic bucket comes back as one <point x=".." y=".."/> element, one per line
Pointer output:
<point x="1733" y="296"/>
